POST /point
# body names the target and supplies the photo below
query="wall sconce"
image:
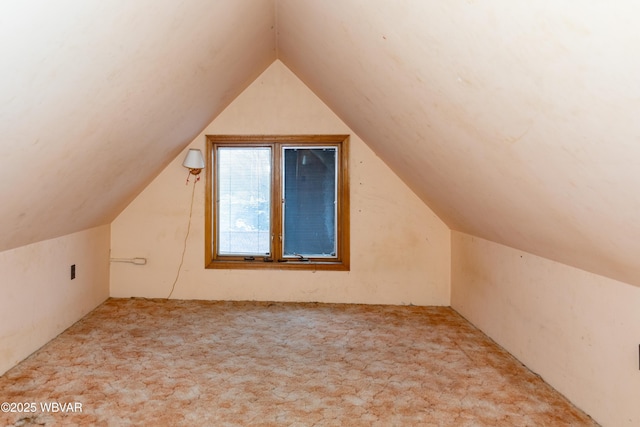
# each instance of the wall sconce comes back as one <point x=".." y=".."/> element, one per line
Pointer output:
<point x="194" y="162"/>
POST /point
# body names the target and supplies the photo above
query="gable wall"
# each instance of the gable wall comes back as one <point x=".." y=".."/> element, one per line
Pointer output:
<point x="400" y="250"/>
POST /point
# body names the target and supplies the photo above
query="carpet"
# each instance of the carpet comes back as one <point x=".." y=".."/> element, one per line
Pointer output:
<point x="203" y="363"/>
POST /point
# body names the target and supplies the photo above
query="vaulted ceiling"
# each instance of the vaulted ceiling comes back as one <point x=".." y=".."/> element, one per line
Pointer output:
<point x="515" y="121"/>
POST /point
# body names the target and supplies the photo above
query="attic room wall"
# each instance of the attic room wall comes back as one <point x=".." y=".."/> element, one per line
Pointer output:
<point x="400" y="251"/>
<point x="578" y="330"/>
<point x="38" y="299"/>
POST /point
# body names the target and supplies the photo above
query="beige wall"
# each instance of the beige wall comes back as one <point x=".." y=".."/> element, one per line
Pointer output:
<point x="400" y="251"/>
<point x="578" y="330"/>
<point x="39" y="300"/>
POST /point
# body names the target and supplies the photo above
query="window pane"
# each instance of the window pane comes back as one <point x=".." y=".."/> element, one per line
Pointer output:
<point x="244" y="192"/>
<point x="310" y="207"/>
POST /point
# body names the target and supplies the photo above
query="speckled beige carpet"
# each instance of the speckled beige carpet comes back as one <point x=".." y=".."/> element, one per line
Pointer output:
<point x="196" y="363"/>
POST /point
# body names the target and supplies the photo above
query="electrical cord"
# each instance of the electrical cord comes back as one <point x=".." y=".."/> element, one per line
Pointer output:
<point x="184" y="249"/>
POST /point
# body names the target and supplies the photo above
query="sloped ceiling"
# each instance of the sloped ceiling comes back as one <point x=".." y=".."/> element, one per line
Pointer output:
<point x="516" y="121"/>
<point x="96" y="97"/>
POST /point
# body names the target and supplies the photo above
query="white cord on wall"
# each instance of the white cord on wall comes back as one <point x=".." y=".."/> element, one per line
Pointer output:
<point x="136" y="261"/>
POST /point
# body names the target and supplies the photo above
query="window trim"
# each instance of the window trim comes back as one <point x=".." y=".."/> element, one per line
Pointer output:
<point x="214" y="261"/>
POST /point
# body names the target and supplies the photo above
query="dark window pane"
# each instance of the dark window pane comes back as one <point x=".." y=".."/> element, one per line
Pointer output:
<point x="244" y="191"/>
<point x="310" y="205"/>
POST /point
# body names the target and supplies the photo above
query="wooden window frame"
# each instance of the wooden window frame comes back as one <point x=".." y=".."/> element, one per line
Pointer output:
<point x="215" y="261"/>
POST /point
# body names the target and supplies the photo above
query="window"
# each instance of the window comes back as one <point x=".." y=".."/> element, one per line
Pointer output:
<point x="277" y="202"/>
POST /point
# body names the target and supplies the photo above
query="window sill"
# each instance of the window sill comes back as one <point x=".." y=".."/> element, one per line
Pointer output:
<point x="274" y="265"/>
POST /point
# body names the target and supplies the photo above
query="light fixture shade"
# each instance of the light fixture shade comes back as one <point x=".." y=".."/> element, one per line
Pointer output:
<point x="194" y="159"/>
